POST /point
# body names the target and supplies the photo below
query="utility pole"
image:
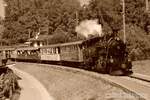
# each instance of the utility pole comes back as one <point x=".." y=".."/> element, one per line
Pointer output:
<point x="77" y="18"/>
<point x="147" y="5"/>
<point x="29" y="35"/>
<point x="123" y="16"/>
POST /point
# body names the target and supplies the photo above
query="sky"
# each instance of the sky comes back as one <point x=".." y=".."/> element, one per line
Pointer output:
<point x="2" y="10"/>
<point x="84" y="2"/>
<point x="2" y="6"/>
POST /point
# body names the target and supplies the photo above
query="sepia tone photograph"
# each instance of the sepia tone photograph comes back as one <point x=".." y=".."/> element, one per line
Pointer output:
<point x="74" y="49"/>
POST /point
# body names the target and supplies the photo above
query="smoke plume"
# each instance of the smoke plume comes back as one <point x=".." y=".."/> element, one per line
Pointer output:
<point x="89" y="27"/>
<point x="84" y="2"/>
<point x="2" y="9"/>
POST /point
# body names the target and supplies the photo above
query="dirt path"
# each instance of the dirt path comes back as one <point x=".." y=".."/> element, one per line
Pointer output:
<point x="32" y="89"/>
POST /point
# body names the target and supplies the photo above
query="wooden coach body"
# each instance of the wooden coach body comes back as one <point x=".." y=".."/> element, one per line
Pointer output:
<point x="28" y="53"/>
<point x="50" y="53"/>
<point x="71" y="52"/>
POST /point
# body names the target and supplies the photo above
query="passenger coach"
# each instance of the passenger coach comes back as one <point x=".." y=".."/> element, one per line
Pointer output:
<point x="30" y="54"/>
<point x="62" y="53"/>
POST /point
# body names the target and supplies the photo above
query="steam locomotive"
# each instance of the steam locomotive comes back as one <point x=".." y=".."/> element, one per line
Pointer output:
<point x="108" y="54"/>
<point x="105" y="54"/>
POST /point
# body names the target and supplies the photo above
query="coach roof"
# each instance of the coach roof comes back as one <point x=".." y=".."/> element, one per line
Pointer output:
<point x="28" y="48"/>
<point x="63" y="44"/>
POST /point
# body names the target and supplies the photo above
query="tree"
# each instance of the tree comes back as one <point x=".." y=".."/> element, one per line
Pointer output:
<point x="23" y="16"/>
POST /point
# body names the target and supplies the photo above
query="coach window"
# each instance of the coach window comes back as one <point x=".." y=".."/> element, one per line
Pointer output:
<point x="66" y="48"/>
<point x="21" y="52"/>
<point x="25" y="53"/>
<point x="44" y="51"/>
<point x="57" y="52"/>
<point x="51" y="50"/>
<point x="18" y="52"/>
<point x="54" y="51"/>
<point x="70" y="48"/>
<point x="63" y="48"/>
<point x="75" y="47"/>
<point x="48" y="51"/>
<point x="41" y="51"/>
<point x="28" y="52"/>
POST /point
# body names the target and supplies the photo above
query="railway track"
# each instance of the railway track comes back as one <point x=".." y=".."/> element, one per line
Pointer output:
<point x="140" y="77"/>
<point x="135" y="83"/>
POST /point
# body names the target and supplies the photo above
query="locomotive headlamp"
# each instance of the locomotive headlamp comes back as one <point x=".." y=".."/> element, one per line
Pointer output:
<point x="111" y="60"/>
<point x="129" y="59"/>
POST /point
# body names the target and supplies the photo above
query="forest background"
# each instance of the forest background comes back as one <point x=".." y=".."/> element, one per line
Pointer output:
<point x="57" y="20"/>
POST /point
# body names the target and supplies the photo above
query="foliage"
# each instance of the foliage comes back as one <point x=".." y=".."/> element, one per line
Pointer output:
<point x="24" y="18"/>
<point x="109" y="13"/>
<point x="58" y="18"/>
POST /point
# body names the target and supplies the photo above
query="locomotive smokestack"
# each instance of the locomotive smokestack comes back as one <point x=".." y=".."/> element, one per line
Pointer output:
<point x="89" y="28"/>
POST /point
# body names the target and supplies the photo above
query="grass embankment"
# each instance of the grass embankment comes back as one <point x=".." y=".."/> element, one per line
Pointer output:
<point x="142" y="67"/>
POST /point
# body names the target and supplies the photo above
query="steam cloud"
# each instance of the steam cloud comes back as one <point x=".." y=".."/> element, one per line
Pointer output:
<point x="2" y="9"/>
<point x="89" y="27"/>
<point x="84" y="2"/>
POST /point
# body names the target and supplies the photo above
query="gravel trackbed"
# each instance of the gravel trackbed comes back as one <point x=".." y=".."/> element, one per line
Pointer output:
<point x="72" y="85"/>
